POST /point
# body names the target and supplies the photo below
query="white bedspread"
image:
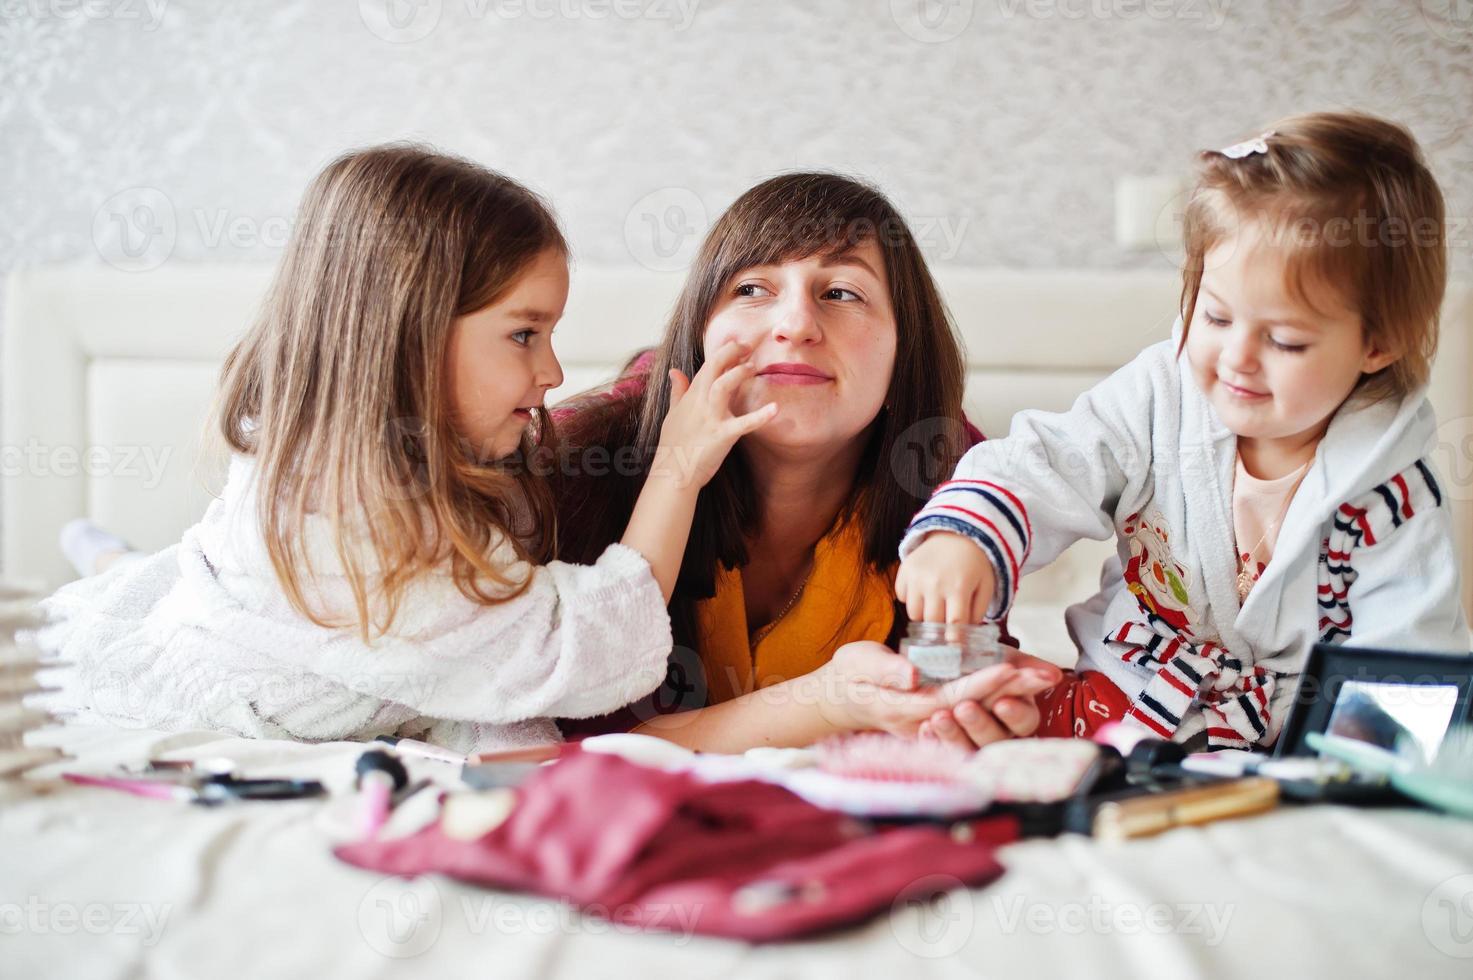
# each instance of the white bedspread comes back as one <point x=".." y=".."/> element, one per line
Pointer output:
<point x="100" y="884"/>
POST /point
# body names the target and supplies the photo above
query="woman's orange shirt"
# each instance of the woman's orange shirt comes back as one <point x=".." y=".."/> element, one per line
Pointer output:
<point x="845" y="600"/>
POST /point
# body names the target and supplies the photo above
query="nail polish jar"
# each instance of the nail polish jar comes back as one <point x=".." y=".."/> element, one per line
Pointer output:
<point x="945" y="651"/>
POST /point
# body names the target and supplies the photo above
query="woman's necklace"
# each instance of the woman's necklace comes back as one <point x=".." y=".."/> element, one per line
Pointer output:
<point x="762" y="631"/>
<point x="1247" y="575"/>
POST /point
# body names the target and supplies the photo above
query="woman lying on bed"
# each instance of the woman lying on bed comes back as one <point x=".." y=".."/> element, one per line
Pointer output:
<point x="783" y="614"/>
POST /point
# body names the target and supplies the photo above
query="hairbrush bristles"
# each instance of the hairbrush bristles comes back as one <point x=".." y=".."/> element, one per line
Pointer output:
<point x="887" y="758"/>
<point x="878" y="775"/>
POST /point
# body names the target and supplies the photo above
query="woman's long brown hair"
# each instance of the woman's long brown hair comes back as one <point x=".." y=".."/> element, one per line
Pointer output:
<point x="339" y="389"/>
<point x="913" y="444"/>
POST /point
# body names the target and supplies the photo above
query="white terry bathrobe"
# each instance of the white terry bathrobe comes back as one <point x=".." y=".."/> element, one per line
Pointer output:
<point x="201" y="635"/>
<point x="1365" y="554"/>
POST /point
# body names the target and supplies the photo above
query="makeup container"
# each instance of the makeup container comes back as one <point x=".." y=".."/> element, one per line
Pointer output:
<point x="945" y="651"/>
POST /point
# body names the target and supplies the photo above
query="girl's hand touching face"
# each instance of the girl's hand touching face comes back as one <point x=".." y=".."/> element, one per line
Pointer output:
<point x="701" y="426"/>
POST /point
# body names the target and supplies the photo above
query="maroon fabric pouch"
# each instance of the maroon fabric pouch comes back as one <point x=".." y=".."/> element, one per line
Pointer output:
<point x="744" y="860"/>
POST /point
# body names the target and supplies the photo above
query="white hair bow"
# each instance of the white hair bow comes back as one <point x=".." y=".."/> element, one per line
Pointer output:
<point x="1248" y="147"/>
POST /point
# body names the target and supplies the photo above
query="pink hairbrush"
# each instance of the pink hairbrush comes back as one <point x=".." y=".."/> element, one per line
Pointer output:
<point x="877" y="775"/>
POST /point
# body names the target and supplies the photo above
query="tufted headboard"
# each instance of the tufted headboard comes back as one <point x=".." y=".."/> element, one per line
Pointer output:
<point x="108" y="378"/>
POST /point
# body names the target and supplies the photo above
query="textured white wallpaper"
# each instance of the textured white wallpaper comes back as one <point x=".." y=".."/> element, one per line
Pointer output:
<point x="139" y="132"/>
<point x="144" y="131"/>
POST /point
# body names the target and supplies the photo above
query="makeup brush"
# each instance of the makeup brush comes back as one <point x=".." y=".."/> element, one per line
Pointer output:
<point x="380" y="774"/>
<point x="1445" y="783"/>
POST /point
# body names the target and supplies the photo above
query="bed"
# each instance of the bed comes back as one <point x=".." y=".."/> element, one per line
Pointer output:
<point x="107" y="379"/>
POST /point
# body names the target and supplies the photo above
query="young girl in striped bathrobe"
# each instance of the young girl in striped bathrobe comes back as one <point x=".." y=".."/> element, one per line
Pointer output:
<point x="1265" y="471"/>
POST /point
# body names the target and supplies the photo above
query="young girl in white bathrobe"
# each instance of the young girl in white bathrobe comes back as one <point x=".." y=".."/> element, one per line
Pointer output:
<point x="1265" y="471"/>
<point x="379" y="560"/>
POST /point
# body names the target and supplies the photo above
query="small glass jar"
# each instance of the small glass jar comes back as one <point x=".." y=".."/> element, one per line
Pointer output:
<point x="945" y="651"/>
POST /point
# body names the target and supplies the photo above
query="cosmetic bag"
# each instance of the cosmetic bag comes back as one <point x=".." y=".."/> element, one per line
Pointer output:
<point x="745" y="860"/>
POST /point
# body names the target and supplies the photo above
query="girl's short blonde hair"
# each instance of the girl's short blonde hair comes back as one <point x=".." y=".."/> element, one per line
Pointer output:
<point x="340" y="392"/>
<point x="1351" y="196"/>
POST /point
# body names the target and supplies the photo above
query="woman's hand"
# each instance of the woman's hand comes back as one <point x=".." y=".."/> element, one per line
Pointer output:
<point x="869" y="686"/>
<point x="946" y="579"/>
<point x="700" y="428"/>
<point x="967" y="726"/>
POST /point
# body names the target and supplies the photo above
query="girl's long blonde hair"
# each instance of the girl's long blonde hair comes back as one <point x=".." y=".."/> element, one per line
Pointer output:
<point x="339" y="390"/>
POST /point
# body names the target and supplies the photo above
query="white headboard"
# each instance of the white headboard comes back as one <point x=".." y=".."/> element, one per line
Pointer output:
<point x="109" y="376"/>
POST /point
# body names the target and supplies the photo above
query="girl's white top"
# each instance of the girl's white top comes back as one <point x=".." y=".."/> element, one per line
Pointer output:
<point x="201" y="635"/>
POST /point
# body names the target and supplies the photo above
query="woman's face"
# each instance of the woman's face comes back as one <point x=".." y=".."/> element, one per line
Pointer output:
<point x="822" y="333"/>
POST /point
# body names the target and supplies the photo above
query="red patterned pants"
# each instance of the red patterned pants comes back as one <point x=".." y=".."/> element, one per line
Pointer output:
<point x="1078" y="705"/>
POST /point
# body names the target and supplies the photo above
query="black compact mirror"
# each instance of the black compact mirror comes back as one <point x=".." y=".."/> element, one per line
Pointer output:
<point x="1378" y="697"/>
